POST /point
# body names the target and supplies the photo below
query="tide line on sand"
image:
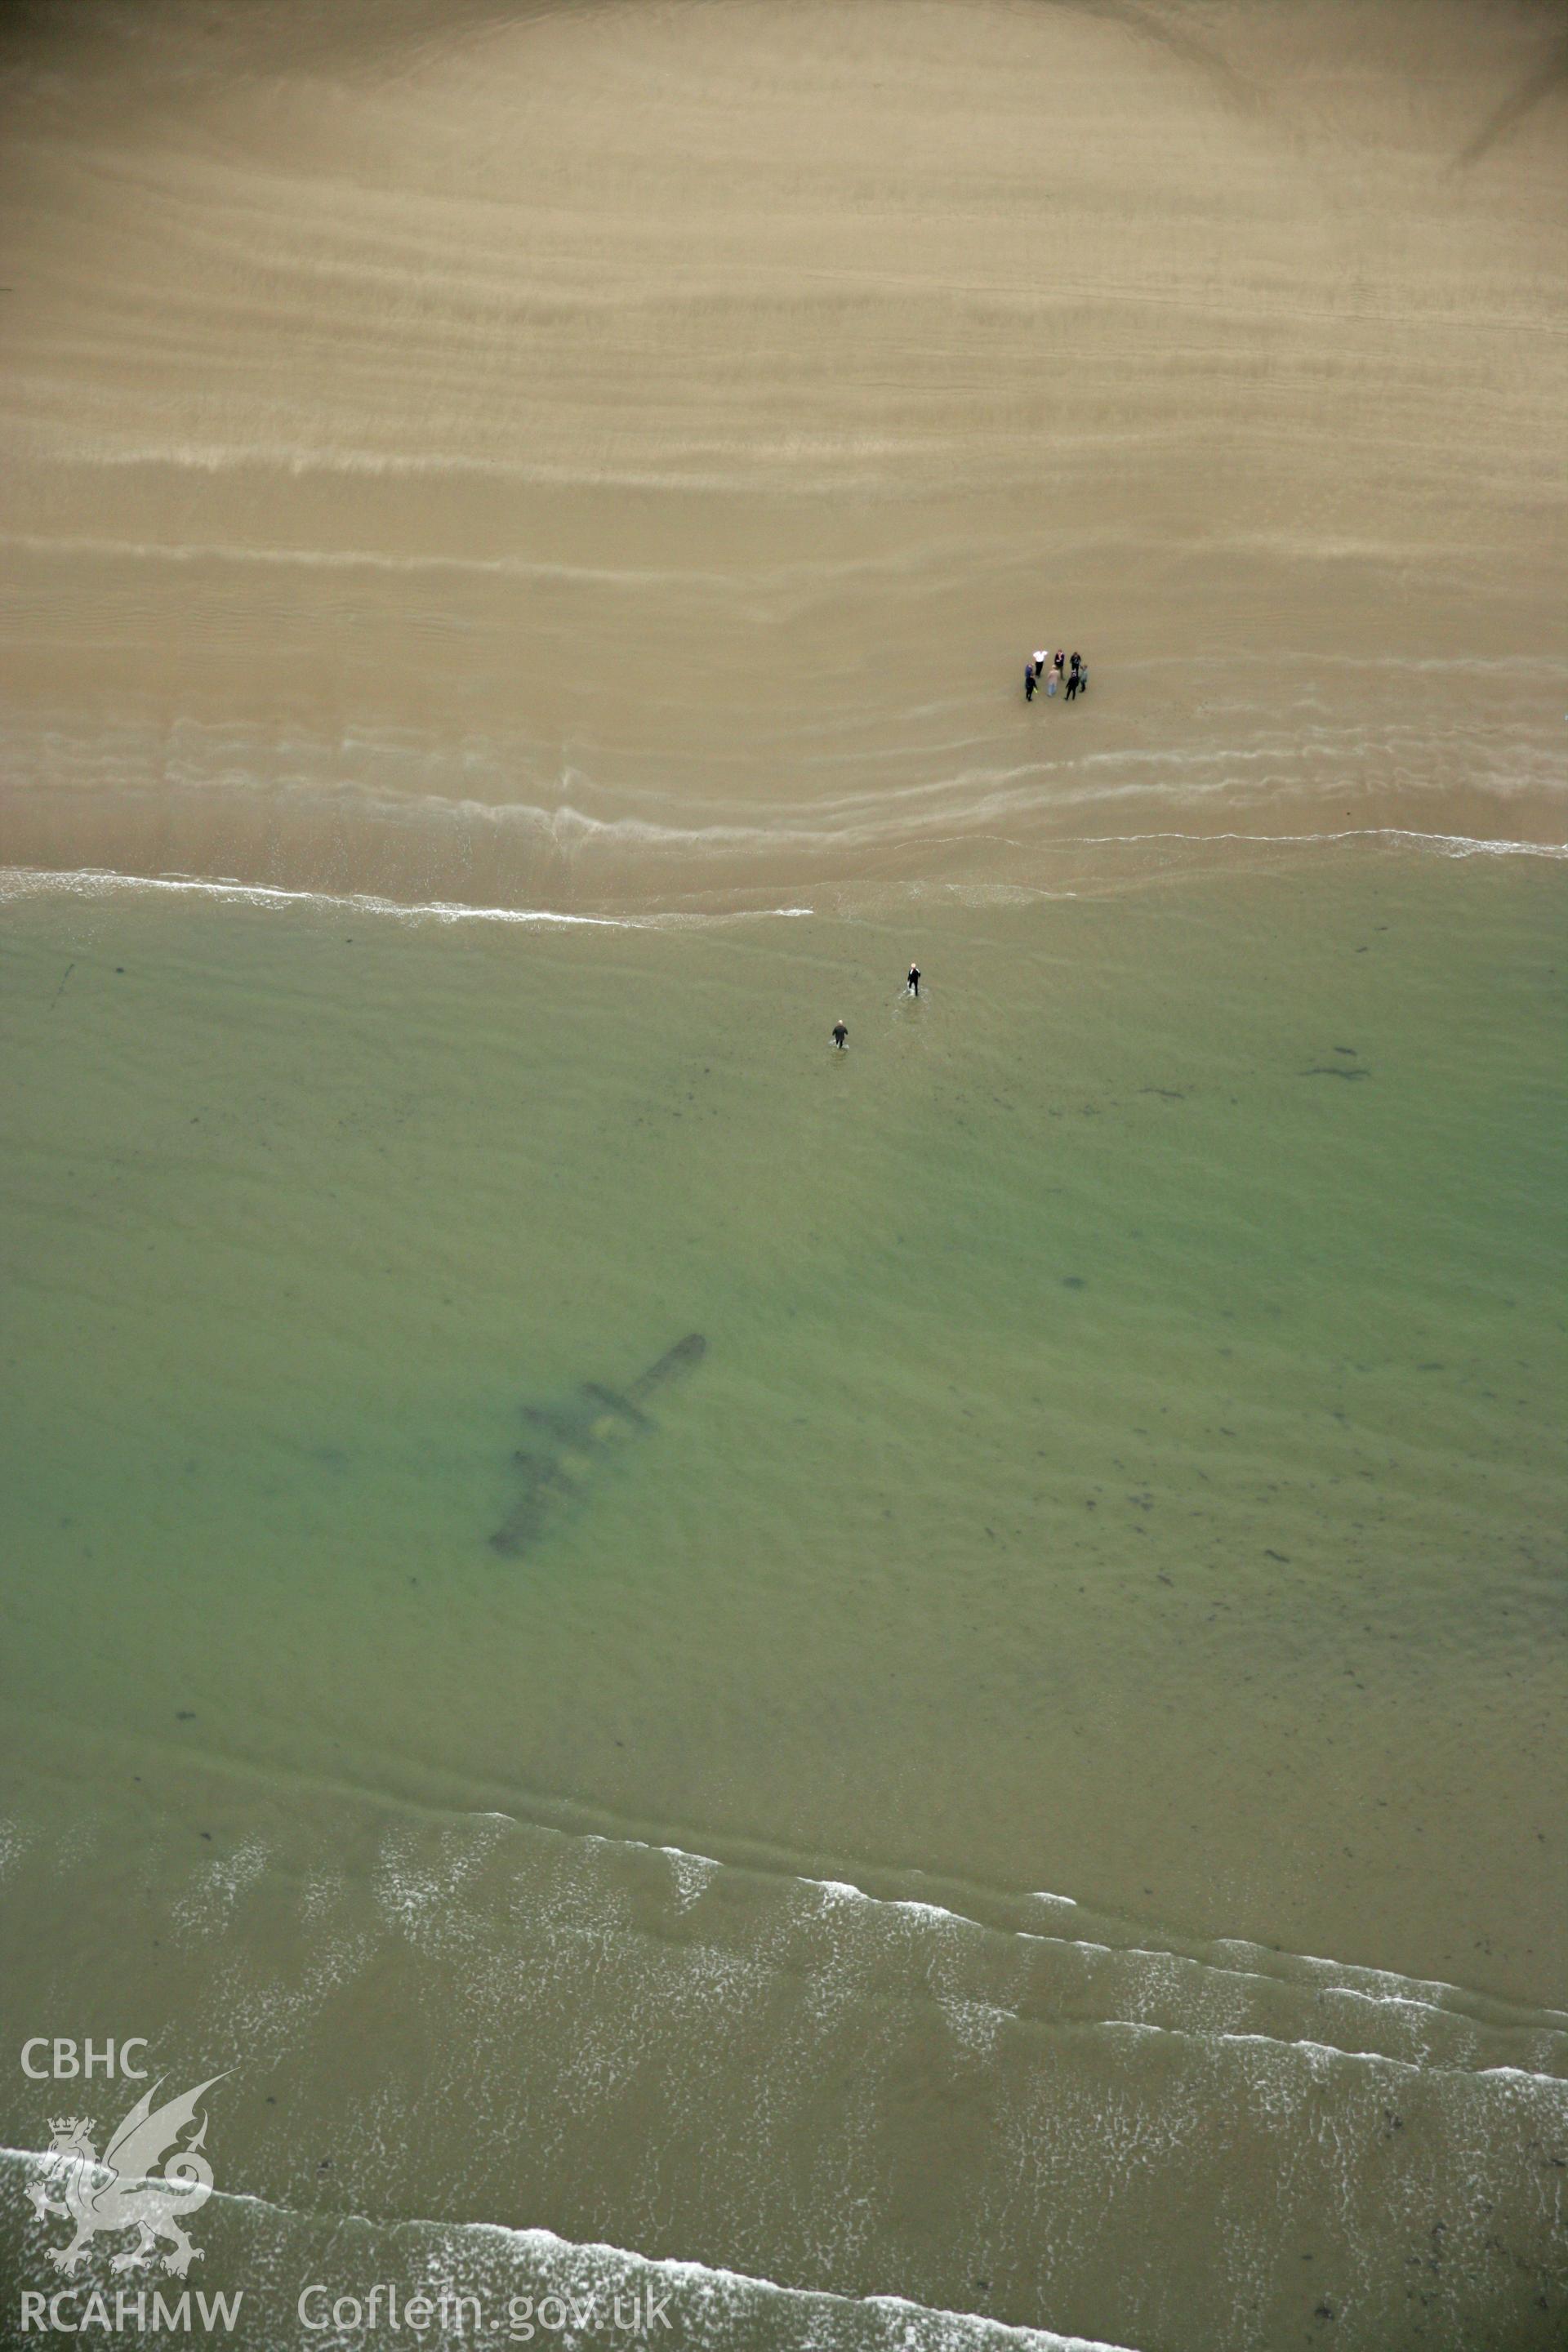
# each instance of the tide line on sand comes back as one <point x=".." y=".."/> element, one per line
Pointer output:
<point x="18" y="882"/>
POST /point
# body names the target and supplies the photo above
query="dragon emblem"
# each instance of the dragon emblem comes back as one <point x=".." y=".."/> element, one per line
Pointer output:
<point x="121" y="2189"/>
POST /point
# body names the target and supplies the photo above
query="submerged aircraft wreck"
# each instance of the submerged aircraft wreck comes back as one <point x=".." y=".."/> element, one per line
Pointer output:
<point x="569" y="1444"/>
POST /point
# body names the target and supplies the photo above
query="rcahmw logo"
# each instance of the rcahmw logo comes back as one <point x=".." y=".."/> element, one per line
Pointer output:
<point x="148" y="2180"/>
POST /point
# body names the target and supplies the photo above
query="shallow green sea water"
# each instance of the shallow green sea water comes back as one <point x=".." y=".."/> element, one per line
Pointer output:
<point x="1125" y="1464"/>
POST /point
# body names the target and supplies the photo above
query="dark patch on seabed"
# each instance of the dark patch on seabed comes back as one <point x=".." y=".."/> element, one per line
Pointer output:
<point x="570" y="1444"/>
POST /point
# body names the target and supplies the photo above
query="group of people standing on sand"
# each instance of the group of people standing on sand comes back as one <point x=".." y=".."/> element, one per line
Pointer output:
<point x="1051" y="671"/>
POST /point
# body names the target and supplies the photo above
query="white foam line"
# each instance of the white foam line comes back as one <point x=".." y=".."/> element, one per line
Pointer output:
<point x="21" y="882"/>
<point x="702" y="2276"/>
<point x="350" y="559"/>
<point x="1234" y="1953"/>
<point x="1210" y="2037"/>
<point x="364" y="559"/>
<point x="916" y="1907"/>
<point x="1409" y="1997"/>
<point x="91" y="881"/>
<point x="699" y="475"/>
<point x="1454" y="845"/>
<point x="1548" y="665"/>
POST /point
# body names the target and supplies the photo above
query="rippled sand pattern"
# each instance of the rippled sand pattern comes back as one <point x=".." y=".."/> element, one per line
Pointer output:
<point x="584" y="455"/>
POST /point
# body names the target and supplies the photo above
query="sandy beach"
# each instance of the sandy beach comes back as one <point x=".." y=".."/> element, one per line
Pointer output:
<point x="589" y="455"/>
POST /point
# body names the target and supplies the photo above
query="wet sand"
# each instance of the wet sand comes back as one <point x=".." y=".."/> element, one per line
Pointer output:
<point x="602" y="455"/>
